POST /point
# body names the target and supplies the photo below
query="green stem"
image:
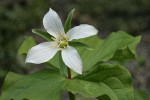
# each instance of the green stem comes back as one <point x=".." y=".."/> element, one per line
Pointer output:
<point x="69" y="73"/>
<point x="71" y="96"/>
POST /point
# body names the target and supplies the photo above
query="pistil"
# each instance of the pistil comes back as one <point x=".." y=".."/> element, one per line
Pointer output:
<point x="63" y="43"/>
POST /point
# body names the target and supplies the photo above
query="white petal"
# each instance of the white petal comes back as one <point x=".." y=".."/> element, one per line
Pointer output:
<point x="81" y="31"/>
<point x="41" y="52"/>
<point x="72" y="59"/>
<point x="53" y="24"/>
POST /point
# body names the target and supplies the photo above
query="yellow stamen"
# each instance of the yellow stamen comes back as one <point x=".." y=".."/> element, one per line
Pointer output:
<point x="62" y="42"/>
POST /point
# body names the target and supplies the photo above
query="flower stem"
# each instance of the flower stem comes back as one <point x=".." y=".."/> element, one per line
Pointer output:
<point x="71" y="96"/>
<point x="69" y="73"/>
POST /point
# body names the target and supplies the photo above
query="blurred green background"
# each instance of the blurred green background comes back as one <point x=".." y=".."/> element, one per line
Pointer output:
<point x="18" y="17"/>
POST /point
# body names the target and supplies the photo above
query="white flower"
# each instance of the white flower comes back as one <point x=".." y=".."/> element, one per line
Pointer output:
<point x="43" y="52"/>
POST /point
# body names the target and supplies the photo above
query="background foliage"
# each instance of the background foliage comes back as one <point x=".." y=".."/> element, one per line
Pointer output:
<point x="18" y="17"/>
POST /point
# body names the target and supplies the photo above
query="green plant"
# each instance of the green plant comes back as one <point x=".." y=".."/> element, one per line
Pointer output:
<point x="103" y="77"/>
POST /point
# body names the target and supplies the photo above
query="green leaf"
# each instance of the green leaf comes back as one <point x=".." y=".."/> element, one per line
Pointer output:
<point x="80" y="45"/>
<point x="104" y="81"/>
<point x="26" y="45"/>
<point x="126" y="55"/>
<point x="67" y="25"/>
<point x="103" y="97"/>
<point x="105" y="50"/>
<point x="43" y="85"/>
<point x="115" y="77"/>
<point x="89" y="89"/>
<point x="43" y="34"/>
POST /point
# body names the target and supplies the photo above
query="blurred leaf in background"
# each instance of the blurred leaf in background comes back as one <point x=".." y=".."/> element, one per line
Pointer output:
<point x="141" y="95"/>
<point x="128" y="15"/>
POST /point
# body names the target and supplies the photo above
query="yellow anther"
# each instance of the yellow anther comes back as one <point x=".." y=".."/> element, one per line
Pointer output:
<point x="62" y="41"/>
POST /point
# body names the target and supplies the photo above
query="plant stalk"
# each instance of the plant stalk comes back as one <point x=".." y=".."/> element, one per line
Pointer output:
<point x="69" y="73"/>
<point x="71" y="96"/>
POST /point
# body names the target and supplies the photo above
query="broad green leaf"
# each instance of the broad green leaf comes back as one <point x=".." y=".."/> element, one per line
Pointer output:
<point x="125" y="53"/>
<point x="89" y="89"/>
<point x="43" y="34"/>
<point x="107" y="81"/>
<point x="48" y="85"/>
<point x="80" y="45"/>
<point x="43" y="85"/>
<point x="105" y="50"/>
<point x="26" y="45"/>
<point x="116" y="77"/>
<point x="67" y="25"/>
<point x="103" y="97"/>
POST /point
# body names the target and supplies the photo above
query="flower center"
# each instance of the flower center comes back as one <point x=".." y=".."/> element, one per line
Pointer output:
<point x="63" y="43"/>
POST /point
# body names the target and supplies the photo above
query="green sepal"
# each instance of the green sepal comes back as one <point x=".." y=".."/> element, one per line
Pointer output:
<point x="67" y="25"/>
<point x="26" y="45"/>
<point x="43" y="34"/>
<point x="63" y="67"/>
<point x="80" y="44"/>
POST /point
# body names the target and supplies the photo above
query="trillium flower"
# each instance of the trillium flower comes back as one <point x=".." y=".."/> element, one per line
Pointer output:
<point x="43" y="52"/>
